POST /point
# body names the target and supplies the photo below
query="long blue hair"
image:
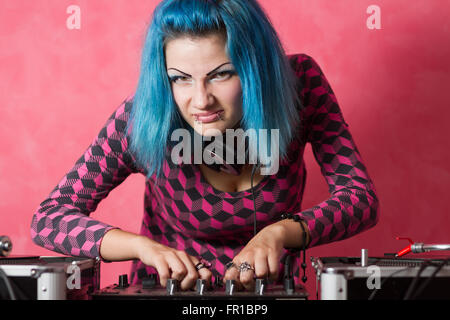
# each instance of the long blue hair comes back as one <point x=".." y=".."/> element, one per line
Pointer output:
<point x="269" y="97"/>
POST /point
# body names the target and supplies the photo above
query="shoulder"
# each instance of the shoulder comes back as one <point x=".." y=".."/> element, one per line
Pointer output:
<point x="304" y="65"/>
<point x="300" y="61"/>
<point x="123" y="111"/>
<point x="315" y="92"/>
<point x="118" y="120"/>
<point x="309" y="76"/>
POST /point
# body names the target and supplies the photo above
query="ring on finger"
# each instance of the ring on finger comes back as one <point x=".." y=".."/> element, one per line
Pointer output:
<point x="230" y="265"/>
<point x="200" y="265"/>
<point x="245" y="266"/>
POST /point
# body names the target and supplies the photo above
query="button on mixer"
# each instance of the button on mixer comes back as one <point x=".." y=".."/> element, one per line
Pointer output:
<point x="150" y="281"/>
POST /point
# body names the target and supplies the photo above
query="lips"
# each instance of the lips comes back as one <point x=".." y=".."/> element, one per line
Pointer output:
<point x="208" y="117"/>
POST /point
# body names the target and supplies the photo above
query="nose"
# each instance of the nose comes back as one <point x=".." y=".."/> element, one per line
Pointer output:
<point x="202" y="98"/>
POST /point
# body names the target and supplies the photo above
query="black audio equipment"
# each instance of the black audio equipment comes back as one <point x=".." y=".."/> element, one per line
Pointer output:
<point x="48" y="278"/>
<point x="365" y="278"/>
<point x="150" y="289"/>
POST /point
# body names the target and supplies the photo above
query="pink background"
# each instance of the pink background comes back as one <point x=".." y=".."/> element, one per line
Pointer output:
<point x="58" y="87"/>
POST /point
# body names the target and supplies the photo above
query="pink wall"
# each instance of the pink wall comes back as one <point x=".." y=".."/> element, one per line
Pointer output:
<point x="58" y="86"/>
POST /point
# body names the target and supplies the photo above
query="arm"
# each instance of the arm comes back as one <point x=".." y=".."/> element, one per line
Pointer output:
<point x="120" y="245"/>
<point x="353" y="205"/>
<point x="61" y="222"/>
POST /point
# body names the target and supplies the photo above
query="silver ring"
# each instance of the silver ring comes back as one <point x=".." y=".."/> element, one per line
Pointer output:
<point x="245" y="266"/>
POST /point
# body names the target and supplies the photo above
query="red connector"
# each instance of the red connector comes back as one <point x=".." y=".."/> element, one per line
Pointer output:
<point x="405" y="250"/>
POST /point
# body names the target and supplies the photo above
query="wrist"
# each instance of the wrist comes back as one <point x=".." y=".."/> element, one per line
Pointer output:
<point x="279" y="232"/>
<point x="292" y="233"/>
<point x="119" y="245"/>
<point x="141" y="245"/>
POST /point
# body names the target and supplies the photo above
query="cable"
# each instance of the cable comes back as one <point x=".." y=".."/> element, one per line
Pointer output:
<point x="416" y="279"/>
<point x="303" y="265"/>
<point x="255" y="167"/>
<point x="9" y="288"/>
<point x="287" y="262"/>
<point x="298" y="219"/>
<point x="422" y="287"/>
<point x="372" y="295"/>
<point x="295" y="218"/>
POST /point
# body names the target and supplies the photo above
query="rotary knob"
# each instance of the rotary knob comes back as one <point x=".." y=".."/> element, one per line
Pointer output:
<point x="260" y="286"/>
<point x="201" y="286"/>
<point x="172" y="286"/>
<point x="123" y="281"/>
<point x="218" y="282"/>
<point x="5" y="246"/>
<point x="230" y="286"/>
<point x="150" y="281"/>
<point x="289" y="285"/>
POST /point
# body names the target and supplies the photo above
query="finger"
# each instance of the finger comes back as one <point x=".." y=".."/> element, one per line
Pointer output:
<point x="162" y="268"/>
<point x="274" y="265"/>
<point x="261" y="265"/>
<point x="205" y="274"/>
<point x="232" y="273"/>
<point x="191" y="276"/>
<point x="176" y="266"/>
<point x="246" y="276"/>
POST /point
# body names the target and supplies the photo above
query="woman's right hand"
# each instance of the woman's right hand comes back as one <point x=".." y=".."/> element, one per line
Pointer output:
<point x="171" y="263"/>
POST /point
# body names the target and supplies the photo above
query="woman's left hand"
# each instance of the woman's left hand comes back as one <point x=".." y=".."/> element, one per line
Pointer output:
<point x="262" y="253"/>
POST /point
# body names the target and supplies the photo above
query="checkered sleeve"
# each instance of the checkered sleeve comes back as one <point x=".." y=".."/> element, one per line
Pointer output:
<point x="353" y="204"/>
<point x="61" y="223"/>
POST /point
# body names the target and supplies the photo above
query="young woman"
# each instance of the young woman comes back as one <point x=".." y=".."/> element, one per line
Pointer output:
<point x="210" y="66"/>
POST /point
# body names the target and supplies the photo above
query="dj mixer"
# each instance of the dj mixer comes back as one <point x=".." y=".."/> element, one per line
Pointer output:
<point x="150" y="289"/>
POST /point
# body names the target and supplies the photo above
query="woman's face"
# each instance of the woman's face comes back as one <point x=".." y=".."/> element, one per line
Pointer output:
<point x="205" y="85"/>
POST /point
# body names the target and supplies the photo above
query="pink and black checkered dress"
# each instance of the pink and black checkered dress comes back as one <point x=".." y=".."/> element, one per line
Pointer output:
<point x="182" y="210"/>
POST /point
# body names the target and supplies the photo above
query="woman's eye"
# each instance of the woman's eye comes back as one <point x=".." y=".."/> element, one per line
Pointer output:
<point x="219" y="76"/>
<point x="179" y="79"/>
<point x="223" y="75"/>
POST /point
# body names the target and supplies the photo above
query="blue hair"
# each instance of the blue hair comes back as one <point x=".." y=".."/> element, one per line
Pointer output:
<point x="269" y="97"/>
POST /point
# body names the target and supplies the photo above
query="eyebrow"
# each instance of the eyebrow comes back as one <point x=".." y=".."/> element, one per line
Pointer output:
<point x="208" y="74"/>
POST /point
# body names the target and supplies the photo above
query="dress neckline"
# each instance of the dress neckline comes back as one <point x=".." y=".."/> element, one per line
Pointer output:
<point x="209" y="188"/>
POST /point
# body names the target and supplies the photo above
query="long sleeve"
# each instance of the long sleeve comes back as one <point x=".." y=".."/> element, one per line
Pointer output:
<point x="61" y="223"/>
<point x="353" y="204"/>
